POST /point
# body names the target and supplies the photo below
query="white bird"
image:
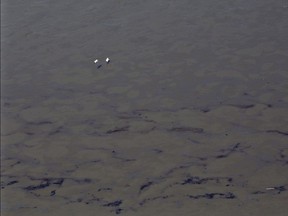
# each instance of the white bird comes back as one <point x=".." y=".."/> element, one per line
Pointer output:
<point x="107" y="60"/>
<point x="95" y="61"/>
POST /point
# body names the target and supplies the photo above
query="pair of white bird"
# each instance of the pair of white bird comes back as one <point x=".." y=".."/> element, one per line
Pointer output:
<point x="107" y="60"/>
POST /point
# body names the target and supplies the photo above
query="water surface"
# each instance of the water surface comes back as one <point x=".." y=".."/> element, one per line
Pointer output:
<point x="188" y="118"/>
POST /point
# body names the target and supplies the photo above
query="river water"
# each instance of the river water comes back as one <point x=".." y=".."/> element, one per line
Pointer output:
<point x="188" y="118"/>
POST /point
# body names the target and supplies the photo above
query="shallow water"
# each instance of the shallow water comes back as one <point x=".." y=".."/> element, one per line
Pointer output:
<point x="188" y="118"/>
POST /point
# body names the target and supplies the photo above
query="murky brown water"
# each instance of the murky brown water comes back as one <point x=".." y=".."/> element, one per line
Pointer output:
<point x="188" y="118"/>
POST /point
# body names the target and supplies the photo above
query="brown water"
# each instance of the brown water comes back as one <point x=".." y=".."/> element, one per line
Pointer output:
<point x="188" y="118"/>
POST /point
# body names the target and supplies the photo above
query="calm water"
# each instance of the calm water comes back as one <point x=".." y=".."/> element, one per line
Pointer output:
<point x="188" y="118"/>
